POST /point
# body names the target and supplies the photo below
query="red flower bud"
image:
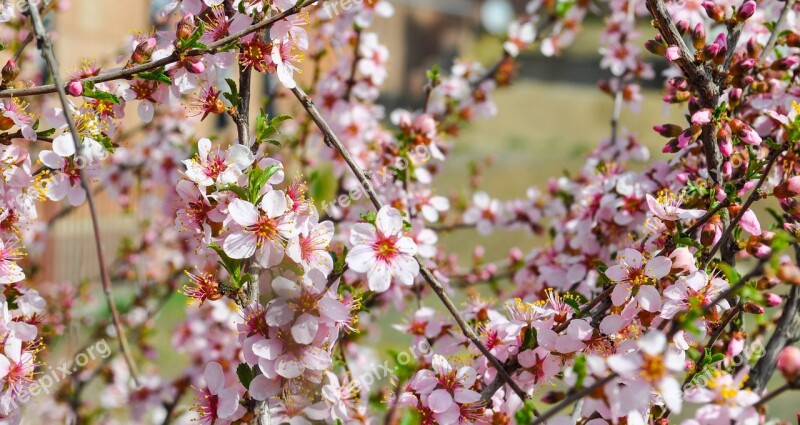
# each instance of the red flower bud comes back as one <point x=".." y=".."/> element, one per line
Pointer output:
<point x="716" y="13"/>
<point x="746" y="11"/>
<point x="143" y="51"/>
<point x="10" y="71"/>
<point x="785" y="63"/>
<point x="753" y="308"/>
<point x="668" y="130"/>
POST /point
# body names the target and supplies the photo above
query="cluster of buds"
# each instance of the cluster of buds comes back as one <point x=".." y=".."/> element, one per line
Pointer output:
<point x="717" y="12"/>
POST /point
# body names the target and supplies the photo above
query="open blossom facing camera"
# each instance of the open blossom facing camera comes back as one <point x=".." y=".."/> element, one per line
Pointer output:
<point x="633" y="273"/>
<point x="263" y="230"/>
<point x="382" y="251"/>
<point x="209" y="168"/>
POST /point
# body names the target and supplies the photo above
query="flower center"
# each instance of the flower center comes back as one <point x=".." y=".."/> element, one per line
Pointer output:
<point x="448" y="382"/>
<point x="385" y="249"/>
<point x="214" y="166"/>
<point x="265" y="229"/>
<point x="653" y="368"/>
<point x="636" y="276"/>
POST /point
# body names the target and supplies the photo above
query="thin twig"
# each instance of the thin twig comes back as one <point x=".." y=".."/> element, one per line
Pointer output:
<point x="46" y="48"/>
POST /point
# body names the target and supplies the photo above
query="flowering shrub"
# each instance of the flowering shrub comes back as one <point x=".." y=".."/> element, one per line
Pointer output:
<point x="651" y="277"/>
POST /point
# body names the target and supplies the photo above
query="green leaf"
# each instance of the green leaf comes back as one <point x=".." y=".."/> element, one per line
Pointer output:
<point x="563" y="6"/>
<point x="266" y="127"/>
<point x="233" y="96"/>
<point x="193" y="42"/>
<point x="89" y="91"/>
<point x="157" y="75"/>
<point x="246" y="374"/>
<point x="239" y="191"/>
<point x="233" y="267"/>
<point x="369" y="216"/>
<point x="526" y="414"/>
<point x="410" y="417"/>
<point x="106" y="142"/>
<point x="258" y="178"/>
<point x="530" y="339"/>
<point x="580" y="370"/>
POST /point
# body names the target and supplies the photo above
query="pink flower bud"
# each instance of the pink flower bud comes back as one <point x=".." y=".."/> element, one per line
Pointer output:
<point x="683" y="260"/>
<point x="727" y="169"/>
<point x="720" y="195"/>
<point x="725" y="146"/>
<point x="711" y="51"/>
<point x="668" y="130"/>
<point x="746" y="11"/>
<point x="772" y="299"/>
<point x="735" y="95"/>
<point x="699" y="36"/>
<point x="683" y="26"/>
<point x="143" y="51"/>
<point x="789" y="363"/>
<point x="673" y="53"/>
<point x="702" y="117"/>
<point x="655" y="47"/>
<point x="785" y="63"/>
<point x="515" y="255"/>
<point x="735" y="346"/>
<point x="75" y="88"/>
<point x="713" y="11"/>
<point x="195" y="66"/>
<point x="788" y="189"/>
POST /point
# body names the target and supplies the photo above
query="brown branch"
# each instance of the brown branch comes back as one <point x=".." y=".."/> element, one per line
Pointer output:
<point x="333" y="141"/>
<point x="174" y="57"/>
<point x="700" y="77"/>
<point x="46" y="49"/>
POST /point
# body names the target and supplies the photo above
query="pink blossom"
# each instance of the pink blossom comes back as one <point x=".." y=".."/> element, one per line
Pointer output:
<point x="382" y="252"/>
<point x="631" y="271"/>
<point x="667" y="207"/>
<point x="262" y="231"/>
<point x="216" y="403"/>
